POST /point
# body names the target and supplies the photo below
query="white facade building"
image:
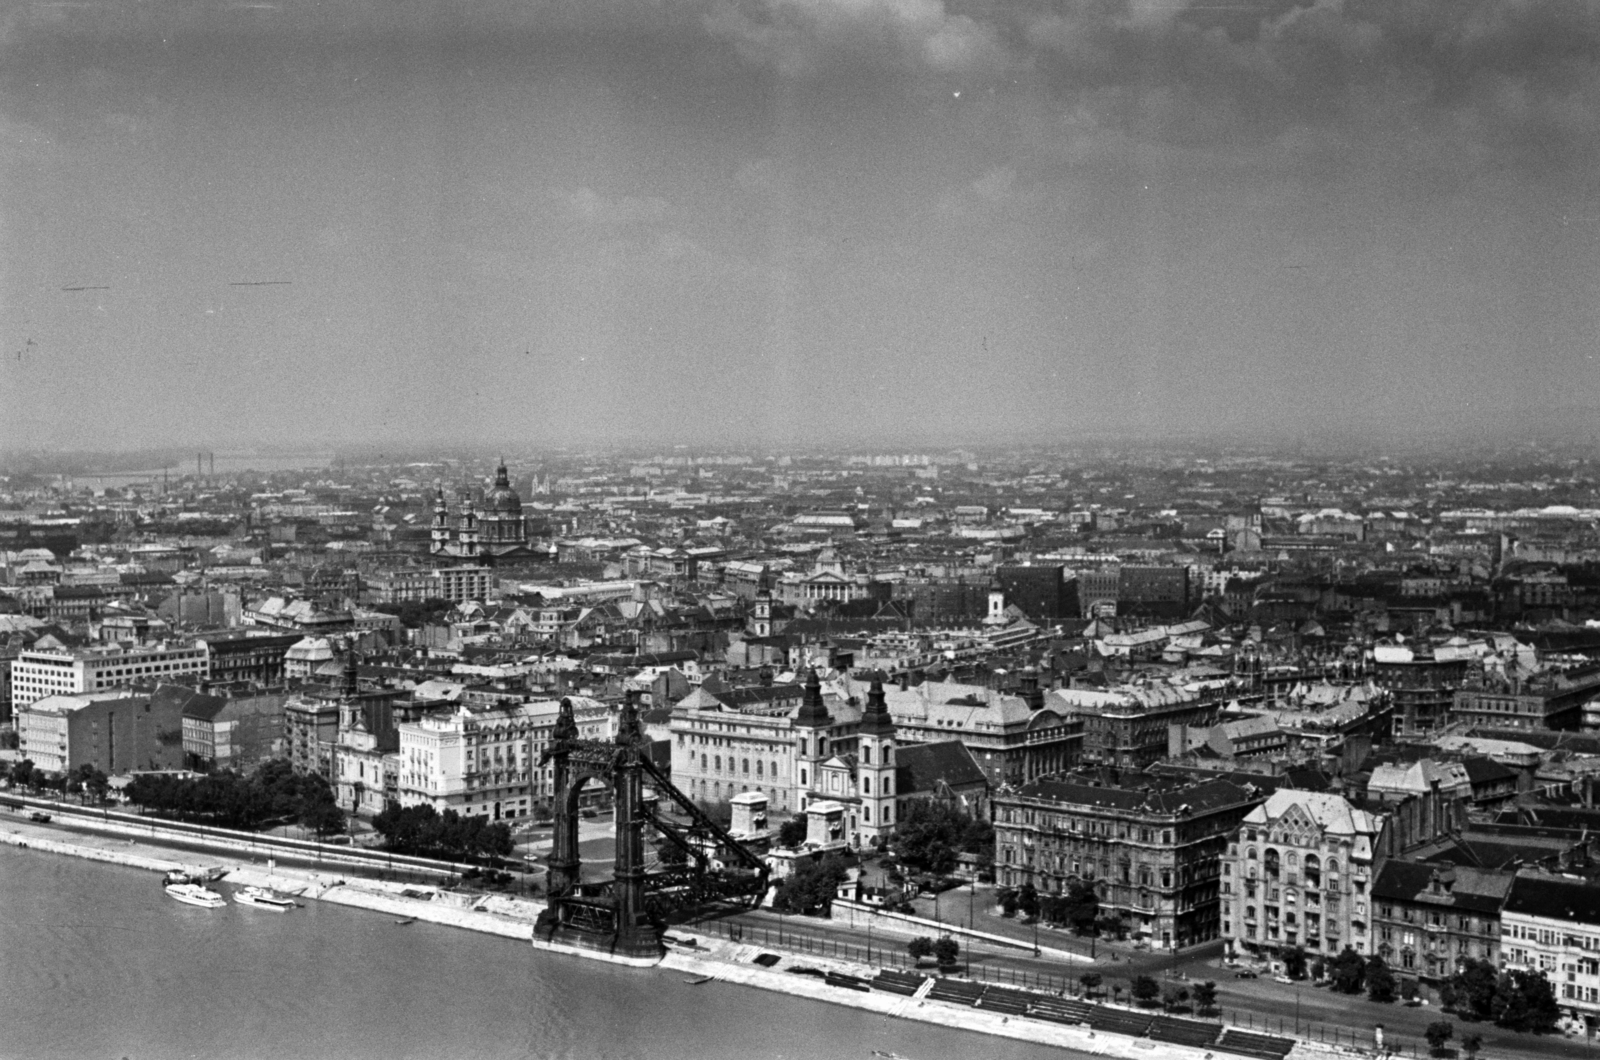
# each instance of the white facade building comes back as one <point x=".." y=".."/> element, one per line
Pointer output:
<point x="1551" y="925"/>
<point x="485" y="760"/>
<point x="47" y="672"/>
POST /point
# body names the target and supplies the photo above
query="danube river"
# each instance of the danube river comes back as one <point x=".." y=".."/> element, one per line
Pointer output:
<point x="95" y="961"/>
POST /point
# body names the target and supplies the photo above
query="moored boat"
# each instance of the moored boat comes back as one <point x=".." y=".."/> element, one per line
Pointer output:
<point x="194" y="894"/>
<point x="261" y="898"/>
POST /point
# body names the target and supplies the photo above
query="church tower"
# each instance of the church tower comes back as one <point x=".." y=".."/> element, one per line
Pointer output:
<point x="441" y="524"/>
<point x="811" y="724"/>
<point x="467" y="536"/>
<point x="763" y="614"/>
<point x="876" y="766"/>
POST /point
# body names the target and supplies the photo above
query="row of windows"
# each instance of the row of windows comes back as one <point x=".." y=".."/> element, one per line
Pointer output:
<point x="1549" y="937"/>
<point x="713" y="763"/>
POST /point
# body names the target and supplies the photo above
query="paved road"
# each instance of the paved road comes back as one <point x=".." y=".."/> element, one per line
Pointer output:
<point x="1259" y="1003"/>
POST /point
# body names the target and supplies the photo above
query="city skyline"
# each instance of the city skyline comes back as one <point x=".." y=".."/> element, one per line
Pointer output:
<point x="794" y="223"/>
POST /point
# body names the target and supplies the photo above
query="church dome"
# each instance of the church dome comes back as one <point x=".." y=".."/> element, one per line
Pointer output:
<point x="502" y="498"/>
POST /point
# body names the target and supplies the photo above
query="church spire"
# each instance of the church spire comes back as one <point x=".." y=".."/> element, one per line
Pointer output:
<point x="875" y="719"/>
<point x="813" y="711"/>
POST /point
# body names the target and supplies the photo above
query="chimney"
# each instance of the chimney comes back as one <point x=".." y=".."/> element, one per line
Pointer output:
<point x="905" y="681"/>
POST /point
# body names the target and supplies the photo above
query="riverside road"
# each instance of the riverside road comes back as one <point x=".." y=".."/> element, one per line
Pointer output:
<point x="1256" y="1003"/>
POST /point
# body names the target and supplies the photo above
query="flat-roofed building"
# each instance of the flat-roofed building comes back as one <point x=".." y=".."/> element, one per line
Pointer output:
<point x="40" y="672"/>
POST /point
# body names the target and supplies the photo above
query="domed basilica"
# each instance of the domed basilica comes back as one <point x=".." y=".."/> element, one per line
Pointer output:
<point x="494" y="529"/>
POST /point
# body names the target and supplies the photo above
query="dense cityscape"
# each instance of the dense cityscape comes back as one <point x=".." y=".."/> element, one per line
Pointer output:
<point x="1331" y="719"/>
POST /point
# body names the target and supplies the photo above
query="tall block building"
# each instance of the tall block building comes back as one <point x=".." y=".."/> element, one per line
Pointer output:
<point x="113" y="732"/>
<point x="1041" y="592"/>
<point x="36" y="673"/>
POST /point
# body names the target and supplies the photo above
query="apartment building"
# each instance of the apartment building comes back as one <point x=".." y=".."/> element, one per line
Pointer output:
<point x="478" y="760"/>
<point x="1299" y="873"/>
<point x="1429" y="918"/>
<point x="1151" y="845"/>
<point x="1551" y="924"/>
<point x="1127" y="727"/>
<point x="112" y="731"/>
<point x="1546" y="701"/>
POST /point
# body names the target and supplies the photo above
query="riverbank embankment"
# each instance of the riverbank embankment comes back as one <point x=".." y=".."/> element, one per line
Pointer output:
<point x="692" y="955"/>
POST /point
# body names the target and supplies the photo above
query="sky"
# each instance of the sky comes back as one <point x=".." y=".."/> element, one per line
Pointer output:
<point x="794" y="221"/>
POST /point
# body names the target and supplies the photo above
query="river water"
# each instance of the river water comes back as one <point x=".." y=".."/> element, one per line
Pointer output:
<point x="95" y="961"/>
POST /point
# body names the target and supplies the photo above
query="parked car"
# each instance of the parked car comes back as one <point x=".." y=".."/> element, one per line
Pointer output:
<point x="1245" y="974"/>
<point x="1283" y="979"/>
<point x="42" y="818"/>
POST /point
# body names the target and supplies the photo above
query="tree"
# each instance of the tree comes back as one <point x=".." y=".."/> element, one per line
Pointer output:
<point x="1439" y="1032"/>
<point x="98" y="785"/>
<point x="1205" y="996"/>
<point x="1471" y="1042"/>
<point x="1380" y="981"/>
<point x="792" y="832"/>
<point x="1091" y="982"/>
<point x="1112" y="924"/>
<point x="720" y="811"/>
<point x="1145" y="989"/>
<point x="1079" y="907"/>
<point x="1173" y="998"/>
<point x="811" y="886"/>
<point x="23" y="773"/>
<point x="932" y="833"/>
<point x="1028" y="900"/>
<point x="920" y="947"/>
<point x="1525" y="1001"/>
<point x="1319" y="969"/>
<point x="1348" y="972"/>
<point x="1294" y="962"/>
<point x="88" y="780"/>
<point x="670" y="853"/>
<point x="945" y="951"/>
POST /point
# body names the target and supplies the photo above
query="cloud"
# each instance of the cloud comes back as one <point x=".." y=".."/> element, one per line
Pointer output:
<point x="802" y="38"/>
<point x="1434" y="84"/>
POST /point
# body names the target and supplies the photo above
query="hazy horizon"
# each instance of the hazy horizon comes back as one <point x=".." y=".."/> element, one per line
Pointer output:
<point x="796" y="222"/>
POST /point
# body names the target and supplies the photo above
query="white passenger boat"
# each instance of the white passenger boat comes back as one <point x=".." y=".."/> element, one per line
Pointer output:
<point x="261" y="898"/>
<point x="194" y="894"/>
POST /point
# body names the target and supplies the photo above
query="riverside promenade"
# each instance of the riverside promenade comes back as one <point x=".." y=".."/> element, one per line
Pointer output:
<point x="693" y="956"/>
